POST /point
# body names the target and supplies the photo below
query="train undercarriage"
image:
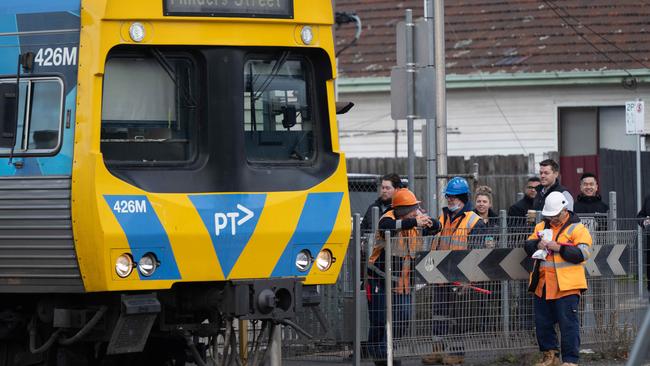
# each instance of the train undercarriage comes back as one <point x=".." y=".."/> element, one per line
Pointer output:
<point x="225" y="323"/>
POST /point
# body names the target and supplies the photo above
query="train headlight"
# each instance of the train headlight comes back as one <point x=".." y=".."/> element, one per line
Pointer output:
<point x="303" y="260"/>
<point x="124" y="265"/>
<point x="307" y="35"/>
<point x="324" y="260"/>
<point x="147" y="264"/>
<point x="136" y="32"/>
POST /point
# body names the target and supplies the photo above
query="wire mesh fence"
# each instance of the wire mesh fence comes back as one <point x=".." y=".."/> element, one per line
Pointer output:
<point x="477" y="298"/>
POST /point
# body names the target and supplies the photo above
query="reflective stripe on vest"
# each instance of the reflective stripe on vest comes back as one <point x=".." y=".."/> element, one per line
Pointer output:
<point x="570" y="229"/>
<point x="584" y="248"/>
<point x="551" y="264"/>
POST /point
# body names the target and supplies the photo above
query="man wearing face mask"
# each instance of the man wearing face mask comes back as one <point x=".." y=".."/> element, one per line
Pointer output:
<point x="457" y="223"/>
<point x="558" y="280"/>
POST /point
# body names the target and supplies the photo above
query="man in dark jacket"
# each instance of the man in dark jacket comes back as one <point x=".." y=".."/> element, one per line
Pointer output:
<point x="549" y="170"/>
<point x="589" y="200"/>
<point x="389" y="183"/>
<point x="521" y="207"/>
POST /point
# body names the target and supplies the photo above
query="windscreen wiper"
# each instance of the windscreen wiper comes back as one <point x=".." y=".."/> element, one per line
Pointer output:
<point x="269" y="78"/>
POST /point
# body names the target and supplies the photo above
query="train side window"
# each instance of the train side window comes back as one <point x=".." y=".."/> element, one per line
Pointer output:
<point x="147" y="109"/>
<point x="40" y="110"/>
<point x="278" y="116"/>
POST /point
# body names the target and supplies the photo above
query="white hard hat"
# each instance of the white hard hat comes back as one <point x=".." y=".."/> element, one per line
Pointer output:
<point x="554" y="204"/>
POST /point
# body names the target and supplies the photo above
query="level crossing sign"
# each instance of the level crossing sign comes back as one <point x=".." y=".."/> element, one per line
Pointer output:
<point x="499" y="264"/>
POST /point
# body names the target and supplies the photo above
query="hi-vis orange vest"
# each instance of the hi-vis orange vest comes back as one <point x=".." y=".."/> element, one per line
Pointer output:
<point x="403" y="251"/>
<point x="453" y="235"/>
<point x="570" y="276"/>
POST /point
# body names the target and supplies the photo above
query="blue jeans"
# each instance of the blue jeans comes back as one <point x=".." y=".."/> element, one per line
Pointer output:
<point x="565" y="312"/>
<point x="377" y="318"/>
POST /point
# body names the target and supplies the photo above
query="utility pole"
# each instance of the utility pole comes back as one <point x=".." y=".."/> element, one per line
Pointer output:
<point x="432" y="184"/>
<point x="410" y="98"/>
<point x="441" y="96"/>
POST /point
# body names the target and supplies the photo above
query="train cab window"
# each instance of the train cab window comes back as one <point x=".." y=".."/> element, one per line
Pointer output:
<point x="147" y="109"/>
<point x="278" y="116"/>
<point x="40" y="110"/>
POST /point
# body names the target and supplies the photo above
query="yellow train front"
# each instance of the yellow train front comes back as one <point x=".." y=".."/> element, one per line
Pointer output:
<point x="189" y="173"/>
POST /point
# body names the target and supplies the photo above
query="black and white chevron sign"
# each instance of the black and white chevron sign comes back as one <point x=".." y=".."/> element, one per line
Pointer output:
<point x="446" y="266"/>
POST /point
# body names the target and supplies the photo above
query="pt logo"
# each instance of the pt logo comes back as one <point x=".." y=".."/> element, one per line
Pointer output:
<point x="224" y="219"/>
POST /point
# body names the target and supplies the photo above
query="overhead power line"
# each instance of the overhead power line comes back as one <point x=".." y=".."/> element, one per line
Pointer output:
<point x="555" y="8"/>
<point x="596" y="33"/>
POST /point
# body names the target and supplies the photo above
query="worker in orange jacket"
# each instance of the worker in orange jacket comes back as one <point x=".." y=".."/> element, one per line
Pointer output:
<point x="403" y="221"/>
<point x="558" y="279"/>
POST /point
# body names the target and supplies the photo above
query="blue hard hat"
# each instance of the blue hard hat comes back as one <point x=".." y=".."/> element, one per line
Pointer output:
<point x="457" y="186"/>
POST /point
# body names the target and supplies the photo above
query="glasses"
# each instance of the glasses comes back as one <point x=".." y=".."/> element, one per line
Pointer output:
<point x="531" y="187"/>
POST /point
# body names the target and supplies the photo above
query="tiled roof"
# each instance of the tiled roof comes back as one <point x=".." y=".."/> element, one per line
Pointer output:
<point x="495" y="36"/>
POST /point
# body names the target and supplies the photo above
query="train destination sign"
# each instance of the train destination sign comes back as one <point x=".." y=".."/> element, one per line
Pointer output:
<point x="230" y="8"/>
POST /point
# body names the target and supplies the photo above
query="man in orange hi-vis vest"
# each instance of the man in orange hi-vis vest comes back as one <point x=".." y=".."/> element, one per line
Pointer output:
<point x="561" y="246"/>
<point x="403" y="220"/>
<point x="458" y="226"/>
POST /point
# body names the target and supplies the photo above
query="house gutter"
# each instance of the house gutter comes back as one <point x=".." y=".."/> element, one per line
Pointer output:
<point x="500" y="80"/>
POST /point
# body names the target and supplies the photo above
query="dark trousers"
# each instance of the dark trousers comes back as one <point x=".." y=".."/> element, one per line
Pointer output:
<point x="377" y="317"/>
<point x="565" y="312"/>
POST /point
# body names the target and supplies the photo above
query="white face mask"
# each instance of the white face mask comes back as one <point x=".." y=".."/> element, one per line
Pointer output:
<point x="454" y="208"/>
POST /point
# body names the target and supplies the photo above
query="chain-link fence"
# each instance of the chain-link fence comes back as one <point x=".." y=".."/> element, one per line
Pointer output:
<point x="455" y="304"/>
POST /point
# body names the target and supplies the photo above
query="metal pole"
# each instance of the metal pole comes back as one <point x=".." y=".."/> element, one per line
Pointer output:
<point x="357" y="289"/>
<point x="410" y="98"/>
<point x="275" y="357"/>
<point x="432" y="184"/>
<point x="243" y="340"/>
<point x="396" y="138"/>
<point x="531" y="165"/>
<point x="375" y="227"/>
<point x="639" y="249"/>
<point x="612" y="214"/>
<point x="441" y="97"/>
<point x="505" y="290"/>
<point x="388" y="286"/>
<point x="642" y="343"/>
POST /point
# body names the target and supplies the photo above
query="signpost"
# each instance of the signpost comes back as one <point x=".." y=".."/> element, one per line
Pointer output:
<point x="412" y="81"/>
<point x="635" y="125"/>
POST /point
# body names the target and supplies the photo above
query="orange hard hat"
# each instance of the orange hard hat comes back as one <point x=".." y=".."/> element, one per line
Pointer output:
<point x="404" y="197"/>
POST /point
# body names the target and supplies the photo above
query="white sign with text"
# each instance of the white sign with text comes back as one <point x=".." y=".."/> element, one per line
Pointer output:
<point x="634" y="118"/>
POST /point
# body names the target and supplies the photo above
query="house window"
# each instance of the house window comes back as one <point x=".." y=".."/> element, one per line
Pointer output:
<point x="40" y="110"/>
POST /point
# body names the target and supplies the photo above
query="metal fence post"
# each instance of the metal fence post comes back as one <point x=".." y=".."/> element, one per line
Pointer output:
<point x="642" y="343"/>
<point x="611" y="215"/>
<point x="275" y="352"/>
<point x="389" y="298"/>
<point x="505" y="290"/>
<point x="375" y="227"/>
<point x="357" y="289"/>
